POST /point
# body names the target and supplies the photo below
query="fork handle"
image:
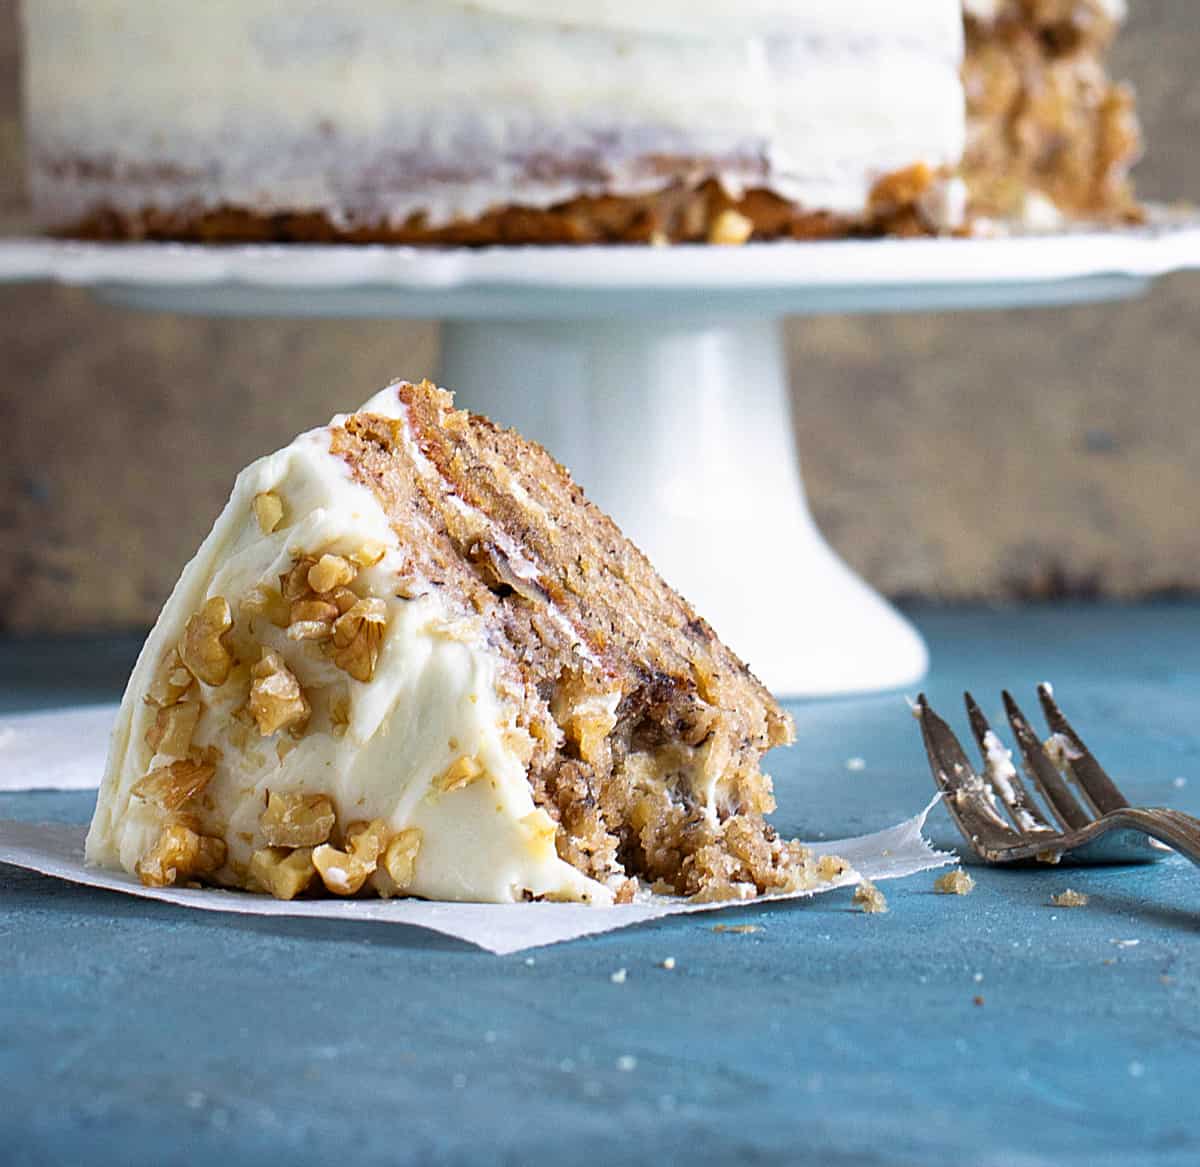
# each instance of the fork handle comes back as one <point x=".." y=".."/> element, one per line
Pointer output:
<point x="1173" y="827"/>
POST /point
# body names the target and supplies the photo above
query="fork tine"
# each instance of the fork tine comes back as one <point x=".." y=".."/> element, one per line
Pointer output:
<point x="968" y="798"/>
<point x="1042" y="772"/>
<point x="1002" y="775"/>
<point x="1097" y="787"/>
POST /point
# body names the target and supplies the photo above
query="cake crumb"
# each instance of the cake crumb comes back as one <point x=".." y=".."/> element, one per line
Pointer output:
<point x="1069" y="899"/>
<point x="954" y="883"/>
<point x="739" y="929"/>
<point x="619" y="977"/>
<point x="870" y="898"/>
<point x="978" y="1000"/>
<point x="668" y="963"/>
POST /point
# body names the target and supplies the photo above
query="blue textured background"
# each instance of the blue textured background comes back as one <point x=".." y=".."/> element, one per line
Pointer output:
<point x="135" y="1033"/>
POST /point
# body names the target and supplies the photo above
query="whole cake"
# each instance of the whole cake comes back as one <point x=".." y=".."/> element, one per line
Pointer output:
<point x="565" y="121"/>
<point x="412" y="659"/>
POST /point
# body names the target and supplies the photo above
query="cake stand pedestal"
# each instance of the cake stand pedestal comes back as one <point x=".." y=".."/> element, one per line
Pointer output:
<point x="658" y="376"/>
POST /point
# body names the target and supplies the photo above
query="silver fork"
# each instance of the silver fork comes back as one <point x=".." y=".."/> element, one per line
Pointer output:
<point x="1004" y="824"/>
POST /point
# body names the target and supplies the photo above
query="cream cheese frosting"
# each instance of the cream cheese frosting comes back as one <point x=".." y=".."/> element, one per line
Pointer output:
<point x="373" y="110"/>
<point x="377" y="749"/>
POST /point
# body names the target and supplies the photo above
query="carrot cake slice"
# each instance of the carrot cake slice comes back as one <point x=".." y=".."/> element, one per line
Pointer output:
<point x="411" y="658"/>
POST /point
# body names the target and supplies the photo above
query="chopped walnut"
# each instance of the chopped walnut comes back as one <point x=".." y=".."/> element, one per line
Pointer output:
<point x="267" y="601"/>
<point x="357" y="638"/>
<point x="203" y="649"/>
<point x="868" y="897"/>
<point x="400" y="858"/>
<point x="171" y="682"/>
<point x="954" y="883"/>
<point x="369" y="554"/>
<point x="178" y="854"/>
<point x="344" y="872"/>
<point x="276" y="699"/>
<point x="461" y="772"/>
<point x="171" y="787"/>
<point x="343" y="599"/>
<point x="296" y="820"/>
<point x="174" y="725"/>
<point x="339" y="715"/>
<point x="329" y="572"/>
<point x="730" y="227"/>
<point x="294" y="583"/>
<point x="268" y="510"/>
<point x="285" y="874"/>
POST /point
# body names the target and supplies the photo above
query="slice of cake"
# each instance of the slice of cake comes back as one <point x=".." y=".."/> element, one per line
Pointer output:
<point x="1049" y="135"/>
<point x="412" y="658"/>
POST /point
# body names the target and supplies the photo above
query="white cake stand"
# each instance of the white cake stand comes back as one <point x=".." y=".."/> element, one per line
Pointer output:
<point x="658" y="377"/>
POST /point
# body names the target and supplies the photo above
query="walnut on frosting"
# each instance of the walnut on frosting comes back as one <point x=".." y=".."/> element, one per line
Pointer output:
<point x="292" y="819"/>
<point x="176" y="784"/>
<point x="345" y="872"/>
<point x="203" y="649"/>
<point x="358" y="637"/>
<point x="178" y="854"/>
<point x="276" y="699"/>
<point x="282" y="872"/>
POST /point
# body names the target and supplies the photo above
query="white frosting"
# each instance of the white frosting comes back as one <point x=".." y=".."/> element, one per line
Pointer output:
<point x="432" y="700"/>
<point x="374" y="109"/>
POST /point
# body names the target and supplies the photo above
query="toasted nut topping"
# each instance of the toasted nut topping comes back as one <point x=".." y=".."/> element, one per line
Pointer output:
<point x="313" y="611"/>
<point x="339" y="715"/>
<point x="285" y="874"/>
<point x="203" y="649"/>
<point x="266" y="601"/>
<point x="400" y="858"/>
<point x="172" y="786"/>
<point x="171" y="733"/>
<point x="367" y="839"/>
<point x="178" y="854"/>
<point x="294" y="583"/>
<point x="171" y="681"/>
<point x="369" y="554"/>
<point x="276" y="699"/>
<point x="461" y="772"/>
<point x="730" y="227"/>
<point x="268" y="510"/>
<point x="343" y="599"/>
<point x="357" y="637"/>
<point x="341" y="872"/>
<point x="310" y="630"/>
<point x="296" y="820"/>
<point x="329" y="572"/>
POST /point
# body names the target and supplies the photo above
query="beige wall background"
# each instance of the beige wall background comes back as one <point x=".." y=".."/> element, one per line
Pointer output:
<point x="978" y="455"/>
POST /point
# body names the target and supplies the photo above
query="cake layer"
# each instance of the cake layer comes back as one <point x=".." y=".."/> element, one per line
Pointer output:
<point x="383" y="114"/>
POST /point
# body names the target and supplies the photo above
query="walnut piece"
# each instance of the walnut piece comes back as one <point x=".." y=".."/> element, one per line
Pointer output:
<point x="730" y="227"/>
<point x="357" y="638"/>
<point x="954" y="883"/>
<point x="345" y="872"/>
<point x="461" y="772"/>
<point x="329" y="572"/>
<point x="171" y="787"/>
<point x="369" y="554"/>
<point x="178" y="854"/>
<point x="203" y="649"/>
<point x="296" y="820"/>
<point x="294" y="583"/>
<point x="276" y="699"/>
<point x="171" y="682"/>
<point x="174" y="725"/>
<point x="285" y="874"/>
<point x="268" y="510"/>
<point x="267" y="601"/>
<point x="400" y="858"/>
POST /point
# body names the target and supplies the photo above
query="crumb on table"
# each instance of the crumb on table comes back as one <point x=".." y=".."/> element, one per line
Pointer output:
<point x="954" y="883"/>
<point x="1069" y="899"/>
<point x="868" y="897"/>
<point x="739" y="929"/>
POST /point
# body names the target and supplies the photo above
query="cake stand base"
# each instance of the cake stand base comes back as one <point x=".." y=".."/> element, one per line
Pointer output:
<point x="681" y="429"/>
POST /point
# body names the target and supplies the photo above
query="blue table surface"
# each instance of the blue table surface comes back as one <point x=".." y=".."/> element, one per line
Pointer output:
<point x="134" y="1032"/>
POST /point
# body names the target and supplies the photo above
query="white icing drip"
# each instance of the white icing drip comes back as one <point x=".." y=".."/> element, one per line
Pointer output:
<point x="433" y="698"/>
<point x="376" y="109"/>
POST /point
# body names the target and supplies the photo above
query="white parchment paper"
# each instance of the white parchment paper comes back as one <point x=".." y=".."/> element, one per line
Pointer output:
<point x="65" y="750"/>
